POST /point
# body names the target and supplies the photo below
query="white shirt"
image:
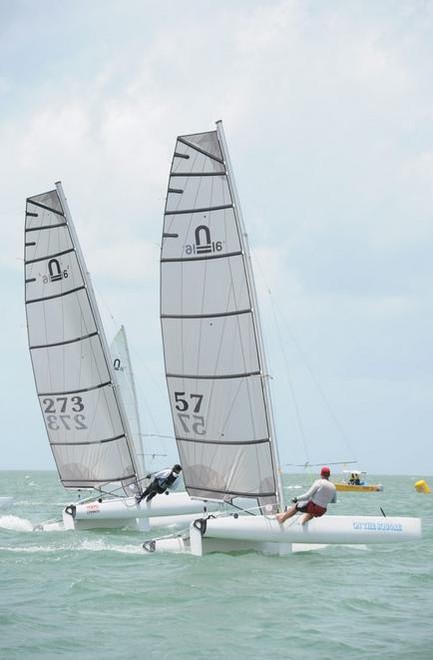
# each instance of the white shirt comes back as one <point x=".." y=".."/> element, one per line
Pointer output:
<point x="322" y="492"/>
<point x="163" y="474"/>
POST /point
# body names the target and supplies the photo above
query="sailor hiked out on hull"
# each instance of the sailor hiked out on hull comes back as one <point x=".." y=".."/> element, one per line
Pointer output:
<point x="162" y="481"/>
<point x="315" y="501"/>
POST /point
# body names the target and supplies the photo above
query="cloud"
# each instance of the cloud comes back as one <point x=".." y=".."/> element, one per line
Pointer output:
<point x="327" y="110"/>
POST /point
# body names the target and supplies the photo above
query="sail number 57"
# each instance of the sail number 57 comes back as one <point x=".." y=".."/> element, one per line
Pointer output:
<point x="188" y="407"/>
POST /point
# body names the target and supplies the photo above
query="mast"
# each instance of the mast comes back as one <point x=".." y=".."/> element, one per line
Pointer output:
<point x="253" y="293"/>
<point x="94" y="306"/>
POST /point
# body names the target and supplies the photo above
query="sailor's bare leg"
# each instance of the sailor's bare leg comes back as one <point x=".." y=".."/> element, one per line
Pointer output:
<point x="307" y="518"/>
<point x="282" y="517"/>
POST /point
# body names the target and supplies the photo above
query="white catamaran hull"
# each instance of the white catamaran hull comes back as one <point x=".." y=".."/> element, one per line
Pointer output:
<point x="163" y="510"/>
<point x="229" y="534"/>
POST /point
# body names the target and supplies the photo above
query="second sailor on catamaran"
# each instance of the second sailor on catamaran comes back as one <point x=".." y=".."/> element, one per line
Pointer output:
<point x="162" y="481"/>
<point x="315" y="501"/>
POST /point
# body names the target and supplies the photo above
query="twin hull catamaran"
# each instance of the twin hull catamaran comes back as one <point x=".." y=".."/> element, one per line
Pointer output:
<point x="216" y="370"/>
<point x="79" y="395"/>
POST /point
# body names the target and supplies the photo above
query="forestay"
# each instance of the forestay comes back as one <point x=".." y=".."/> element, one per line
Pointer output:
<point x="215" y="371"/>
<point x="125" y="379"/>
<point x="86" y="425"/>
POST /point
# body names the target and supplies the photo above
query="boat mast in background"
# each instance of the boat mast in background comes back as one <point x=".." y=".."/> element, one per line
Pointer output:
<point x="122" y="366"/>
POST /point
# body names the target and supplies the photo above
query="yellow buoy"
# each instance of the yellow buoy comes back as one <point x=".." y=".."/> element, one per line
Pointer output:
<point x="422" y="486"/>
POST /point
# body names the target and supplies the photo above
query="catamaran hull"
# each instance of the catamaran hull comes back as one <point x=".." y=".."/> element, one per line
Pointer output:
<point x="130" y="524"/>
<point x="266" y="535"/>
<point x="163" y="510"/>
<point x="353" y="488"/>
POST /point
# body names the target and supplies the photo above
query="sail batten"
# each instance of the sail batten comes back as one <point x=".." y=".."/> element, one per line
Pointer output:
<point x="56" y="295"/>
<point x="205" y="316"/>
<point x="61" y="224"/>
<point x="63" y="343"/>
<point x="50" y="256"/>
<point x="222" y="207"/>
<point x="93" y="442"/>
<point x="213" y="360"/>
<point x="233" y="442"/>
<point x="201" y="258"/>
<point x="245" y="374"/>
<point x="202" y="151"/>
<point x="86" y="425"/>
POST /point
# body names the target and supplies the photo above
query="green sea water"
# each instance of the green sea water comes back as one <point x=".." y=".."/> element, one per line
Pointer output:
<point x="97" y="595"/>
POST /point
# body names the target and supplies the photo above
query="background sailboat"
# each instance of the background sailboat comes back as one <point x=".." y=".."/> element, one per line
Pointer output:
<point x="84" y="417"/>
<point x="124" y="375"/>
<point x="81" y="404"/>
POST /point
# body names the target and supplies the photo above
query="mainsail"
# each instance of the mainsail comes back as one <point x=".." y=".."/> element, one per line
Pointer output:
<point x="214" y="360"/>
<point x="125" y="379"/>
<point x="85" y="421"/>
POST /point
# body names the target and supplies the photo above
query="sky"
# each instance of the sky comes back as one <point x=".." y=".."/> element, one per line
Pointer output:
<point x="328" y="114"/>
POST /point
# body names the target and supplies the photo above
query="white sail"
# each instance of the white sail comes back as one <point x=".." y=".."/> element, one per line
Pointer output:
<point x="215" y="368"/>
<point x="125" y="379"/>
<point x="85" y="422"/>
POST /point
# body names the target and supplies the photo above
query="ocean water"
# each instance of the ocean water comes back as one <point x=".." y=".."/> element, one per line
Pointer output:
<point x="98" y="595"/>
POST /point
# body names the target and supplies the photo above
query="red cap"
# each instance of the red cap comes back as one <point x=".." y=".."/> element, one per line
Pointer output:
<point x="325" y="471"/>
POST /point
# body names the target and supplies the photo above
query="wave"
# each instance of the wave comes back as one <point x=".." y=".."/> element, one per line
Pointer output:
<point x="86" y="545"/>
<point x="16" y="524"/>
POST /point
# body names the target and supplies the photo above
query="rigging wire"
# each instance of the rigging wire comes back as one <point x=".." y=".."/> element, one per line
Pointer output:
<point x="286" y="363"/>
<point x="274" y="309"/>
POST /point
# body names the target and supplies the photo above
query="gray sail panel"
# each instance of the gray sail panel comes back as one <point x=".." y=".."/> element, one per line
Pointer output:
<point x="61" y="274"/>
<point x="188" y="160"/>
<point x="213" y="368"/>
<point x="226" y="472"/>
<point x="215" y="346"/>
<point x="93" y="463"/>
<point x="200" y="234"/>
<point x="40" y="243"/>
<point x="47" y="325"/>
<point x="197" y="193"/>
<point x="221" y="410"/>
<point x="68" y="421"/>
<point x="205" y="142"/>
<point x="185" y="286"/>
<point x="70" y="367"/>
<point x="72" y="375"/>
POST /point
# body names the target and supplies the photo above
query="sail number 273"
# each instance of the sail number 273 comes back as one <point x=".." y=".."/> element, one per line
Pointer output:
<point x="188" y="406"/>
<point x="63" y="413"/>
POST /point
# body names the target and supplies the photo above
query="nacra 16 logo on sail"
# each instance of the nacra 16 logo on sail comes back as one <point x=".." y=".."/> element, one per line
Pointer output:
<point x="203" y="242"/>
<point x="55" y="273"/>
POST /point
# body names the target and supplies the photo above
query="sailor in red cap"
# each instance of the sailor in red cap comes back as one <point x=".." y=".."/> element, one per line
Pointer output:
<point x="315" y="501"/>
